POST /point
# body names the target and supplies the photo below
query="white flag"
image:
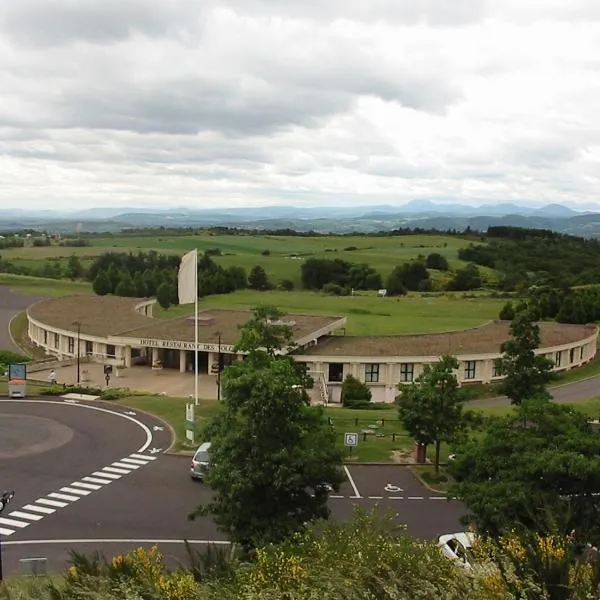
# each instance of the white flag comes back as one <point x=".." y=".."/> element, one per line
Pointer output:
<point x="186" y="278"/>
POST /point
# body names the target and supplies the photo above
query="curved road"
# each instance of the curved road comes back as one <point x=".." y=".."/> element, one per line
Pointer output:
<point x="11" y="304"/>
<point x="567" y="393"/>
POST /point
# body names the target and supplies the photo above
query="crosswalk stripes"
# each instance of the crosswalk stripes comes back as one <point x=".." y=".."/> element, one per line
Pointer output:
<point x="43" y="507"/>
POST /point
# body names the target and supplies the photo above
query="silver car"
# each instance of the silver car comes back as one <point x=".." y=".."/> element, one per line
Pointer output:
<point x="200" y="462"/>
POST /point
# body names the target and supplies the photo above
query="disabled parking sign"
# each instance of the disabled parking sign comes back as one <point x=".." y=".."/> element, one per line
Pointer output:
<point x="351" y="440"/>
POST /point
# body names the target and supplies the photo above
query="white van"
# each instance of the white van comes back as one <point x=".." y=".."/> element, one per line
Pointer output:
<point x="200" y="462"/>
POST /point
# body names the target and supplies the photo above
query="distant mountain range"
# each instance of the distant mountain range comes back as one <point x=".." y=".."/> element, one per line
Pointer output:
<point x="424" y="214"/>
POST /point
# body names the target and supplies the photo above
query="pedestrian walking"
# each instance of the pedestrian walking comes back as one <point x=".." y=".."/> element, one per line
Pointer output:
<point x="52" y="377"/>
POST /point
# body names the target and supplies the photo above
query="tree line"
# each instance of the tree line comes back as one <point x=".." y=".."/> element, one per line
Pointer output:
<point x="526" y="257"/>
<point x="570" y="305"/>
<point x="148" y="274"/>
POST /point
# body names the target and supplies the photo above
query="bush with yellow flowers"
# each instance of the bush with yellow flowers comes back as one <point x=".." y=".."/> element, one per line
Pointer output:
<point x="364" y="559"/>
<point x="140" y="574"/>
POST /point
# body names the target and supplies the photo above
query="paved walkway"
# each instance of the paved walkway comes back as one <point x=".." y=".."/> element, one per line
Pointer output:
<point x="167" y="381"/>
<point x="10" y="305"/>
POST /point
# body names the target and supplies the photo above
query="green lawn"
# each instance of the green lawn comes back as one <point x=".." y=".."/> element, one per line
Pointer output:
<point x="285" y="253"/>
<point x="38" y="286"/>
<point x="367" y="314"/>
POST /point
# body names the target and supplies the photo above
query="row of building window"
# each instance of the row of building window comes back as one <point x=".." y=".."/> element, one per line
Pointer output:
<point x="111" y="350"/>
<point x="407" y="370"/>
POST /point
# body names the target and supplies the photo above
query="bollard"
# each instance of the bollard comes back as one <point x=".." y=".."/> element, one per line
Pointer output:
<point x="393" y="437"/>
<point x="356" y="421"/>
<point x="364" y="437"/>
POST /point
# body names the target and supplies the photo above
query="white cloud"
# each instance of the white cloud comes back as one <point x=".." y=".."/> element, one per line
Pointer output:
<point x="260" y="101"/>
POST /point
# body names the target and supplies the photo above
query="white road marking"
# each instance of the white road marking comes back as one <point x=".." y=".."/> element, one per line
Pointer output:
<point x="66" y="497"/>
<point x="395" y="497"/>
<point x="134" y="461"/>
<point x="40" y="509"/>
<point x="415" y="497"/>
<point x="13" y="522"/>
<point x="437" y="497"/>
<point x="97" y="480"/>
<point x="24" y="515"/>
<point x="51" y="502"/>
<point x="70" y="490"/>
<point x="144" y="456"/>
<point x="337" y="497"/>
<point x="105" y="475"/>
<point x="375" y="497"/>
<point x="6" y="532"/>
<point x="113" y="541"/>
<point x="87" y="486"/>
<point x="356" y="492"/>
<point x="113" y="470"/>
<point x="125" y="466"/>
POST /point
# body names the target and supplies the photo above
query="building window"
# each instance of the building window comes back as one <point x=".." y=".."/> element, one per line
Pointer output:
<point x="71" y="345"/>
<point x="407" y="371"/>
<point x="89" y="348"/>
<point x="371" y="373"/>
<point x="470" y="366"/>
<point x="56" y="340"/>
<point x="336" y="372"/>
<point x="45" y="337"/>
<point x="557" y="359"/>
<point x="581" y="353"/>
<point x="572" y="355"/>
<point x="497" y="371"/>
<point x="110" y="351"/>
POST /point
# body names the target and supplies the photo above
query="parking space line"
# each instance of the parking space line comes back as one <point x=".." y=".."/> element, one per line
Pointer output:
<point x="354" y="488"/>
<point x="395" y="497"/>
<point x="375" y="497"/>
<point x="415" y="497"/>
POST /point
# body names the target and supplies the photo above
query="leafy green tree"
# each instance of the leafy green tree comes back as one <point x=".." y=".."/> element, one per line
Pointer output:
<point x="266" y="331"/>
<point x="431" y="408"/>
<point x="526" y="374"/>
<point x="436" y="261"/>
<point x="508" y="312"/>
<point x="101" y="284"/>
<point x="164" y="295"/>
<point x="74" y="268"/>
<point x="125" y="287"/>
<point x="140" y="285"/>
<point x="535" y="469"/>
<point x="258" y="280"/>
<point x="273" y="457"/>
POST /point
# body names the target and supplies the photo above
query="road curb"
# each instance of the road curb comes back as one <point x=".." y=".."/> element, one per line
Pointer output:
<point x="12" y="339"/>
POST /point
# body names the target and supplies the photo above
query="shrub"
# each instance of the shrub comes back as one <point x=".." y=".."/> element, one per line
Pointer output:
<point x="333" y="289"/>
<point x="355" y="394"/>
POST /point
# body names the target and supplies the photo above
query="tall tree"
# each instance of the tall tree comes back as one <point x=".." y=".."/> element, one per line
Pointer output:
<point x="266" y="331"/>
<point x="526" y="374"/>
<point x="258" y="280"/>
<point x="536" y="469"/>
<point x="271" y="452"/>
<point x="431" y="408"/>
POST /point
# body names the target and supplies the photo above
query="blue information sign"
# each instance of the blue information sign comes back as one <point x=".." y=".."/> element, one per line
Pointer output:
<point x="17" y="371"/>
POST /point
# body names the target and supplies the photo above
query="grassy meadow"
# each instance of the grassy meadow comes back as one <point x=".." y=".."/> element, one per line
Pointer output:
<point x="285" y="253"/>
<point x="366" y="314"/>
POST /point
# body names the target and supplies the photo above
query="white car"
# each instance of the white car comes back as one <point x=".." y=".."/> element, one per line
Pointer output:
<point x="457" y="546"/>
<point x="200" y="462"/>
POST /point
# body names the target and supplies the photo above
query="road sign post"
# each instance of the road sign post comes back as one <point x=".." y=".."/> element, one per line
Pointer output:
<point x="190" y="422"/>
<point x="350" y="441"/>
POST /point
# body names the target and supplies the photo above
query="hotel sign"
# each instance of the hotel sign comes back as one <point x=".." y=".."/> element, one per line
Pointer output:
<point x="202" y="347"/>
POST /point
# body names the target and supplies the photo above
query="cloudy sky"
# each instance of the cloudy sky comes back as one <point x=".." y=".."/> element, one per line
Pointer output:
<point x="212" y="103"/>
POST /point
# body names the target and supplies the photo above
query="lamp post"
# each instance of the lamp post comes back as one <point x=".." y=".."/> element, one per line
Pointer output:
<point x="5" y="498"/>
<point x="78" y="323"/>
<point x="219" y="371"/>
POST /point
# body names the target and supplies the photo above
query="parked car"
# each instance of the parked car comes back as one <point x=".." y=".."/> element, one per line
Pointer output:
<point x="457" y="546"/>
<point x="200" y="462"/>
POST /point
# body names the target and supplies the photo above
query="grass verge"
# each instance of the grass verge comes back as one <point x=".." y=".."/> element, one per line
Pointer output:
<point x="18" y="330"/>
<point x="436" y="482"/>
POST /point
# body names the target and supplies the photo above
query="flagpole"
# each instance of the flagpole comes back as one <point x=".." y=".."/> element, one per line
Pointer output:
<point x="196" y="326"/>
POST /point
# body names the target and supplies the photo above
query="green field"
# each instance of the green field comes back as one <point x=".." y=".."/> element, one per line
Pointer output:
<point x="367" y="314"/>
<point x="285" y="252"/>
<point x="38" y="286"/>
